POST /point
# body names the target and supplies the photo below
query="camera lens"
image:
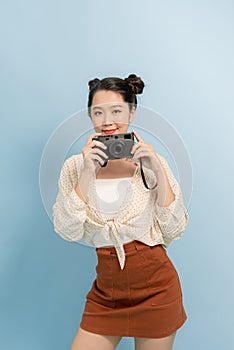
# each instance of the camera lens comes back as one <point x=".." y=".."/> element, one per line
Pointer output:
<point x="116" y="149"/>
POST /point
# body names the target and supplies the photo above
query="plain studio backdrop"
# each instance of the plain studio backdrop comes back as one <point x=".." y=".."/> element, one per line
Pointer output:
<point x="183" y="50"/>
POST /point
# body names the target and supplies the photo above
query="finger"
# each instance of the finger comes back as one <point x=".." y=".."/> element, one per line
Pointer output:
<point x="139" y="139"/>
<point x="142" y="153"/>
<point x="97" y="158"/>
<point x="95" y="150"/>
<point x="98" y="144"/>
<point x="135" y="147"/>
<point x="99" y="152"/>
<point x="93" y="145"/>
<point x="143" y="146"/>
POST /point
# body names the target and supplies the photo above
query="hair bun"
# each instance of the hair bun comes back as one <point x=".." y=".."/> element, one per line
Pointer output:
<point x="93" y="82"/>
<point x="135" y="83"/>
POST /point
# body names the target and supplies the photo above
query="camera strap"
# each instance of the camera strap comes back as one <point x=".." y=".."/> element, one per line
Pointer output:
<point x="144" y="180"/>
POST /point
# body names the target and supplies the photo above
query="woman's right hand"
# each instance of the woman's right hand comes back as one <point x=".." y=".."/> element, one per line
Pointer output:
<point x="94" y="157"/>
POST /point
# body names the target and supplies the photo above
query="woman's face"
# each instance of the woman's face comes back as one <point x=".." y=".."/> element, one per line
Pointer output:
<point x="109" y="113"/>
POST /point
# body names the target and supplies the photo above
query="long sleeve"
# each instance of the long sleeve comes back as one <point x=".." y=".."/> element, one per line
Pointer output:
<point x="139" y="219"/>
<point x="69" y="211"/>
<point x="173" y="219"/>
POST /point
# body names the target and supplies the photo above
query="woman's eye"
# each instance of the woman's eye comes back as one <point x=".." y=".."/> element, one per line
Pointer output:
<point x="116" y="111"/>
<point x="97" y="113"/>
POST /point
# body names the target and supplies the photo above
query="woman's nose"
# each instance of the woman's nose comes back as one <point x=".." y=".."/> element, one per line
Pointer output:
<point x="108" y="118"/>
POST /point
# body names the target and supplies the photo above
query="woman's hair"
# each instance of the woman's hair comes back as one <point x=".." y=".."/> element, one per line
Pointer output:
<point x="128" y="88"/>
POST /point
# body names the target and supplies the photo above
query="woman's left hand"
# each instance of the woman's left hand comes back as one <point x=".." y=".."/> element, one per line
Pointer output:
<point x="146" y="153"/>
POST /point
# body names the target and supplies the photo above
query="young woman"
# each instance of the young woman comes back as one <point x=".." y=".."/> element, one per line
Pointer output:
<point x="136" y="292"/>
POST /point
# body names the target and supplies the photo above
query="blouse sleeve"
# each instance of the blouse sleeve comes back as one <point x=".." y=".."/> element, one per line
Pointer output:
<point x="173" y="219"/>
<point x="69" y="211"/>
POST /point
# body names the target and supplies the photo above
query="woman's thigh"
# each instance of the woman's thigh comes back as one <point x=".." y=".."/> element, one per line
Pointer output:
<point x="91" y="341"/>
<point x="155" y="344"/>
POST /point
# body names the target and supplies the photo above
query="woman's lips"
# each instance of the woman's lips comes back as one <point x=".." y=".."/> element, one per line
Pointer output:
<point x="108" y="132"/>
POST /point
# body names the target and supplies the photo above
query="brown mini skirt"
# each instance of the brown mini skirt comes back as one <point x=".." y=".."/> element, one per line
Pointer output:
<point x="142" y="300"/>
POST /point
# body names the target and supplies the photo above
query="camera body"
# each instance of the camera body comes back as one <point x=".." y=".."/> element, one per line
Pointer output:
<point x="118" y="145"/>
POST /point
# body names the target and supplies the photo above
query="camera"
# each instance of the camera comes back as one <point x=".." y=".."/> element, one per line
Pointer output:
<point x="118" y="145"/>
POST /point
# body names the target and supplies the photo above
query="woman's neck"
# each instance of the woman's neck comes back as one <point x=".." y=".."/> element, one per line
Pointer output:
<point x="116" y="169"/>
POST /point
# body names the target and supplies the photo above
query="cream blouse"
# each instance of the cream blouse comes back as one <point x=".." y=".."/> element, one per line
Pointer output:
<point x="140" y="217"/>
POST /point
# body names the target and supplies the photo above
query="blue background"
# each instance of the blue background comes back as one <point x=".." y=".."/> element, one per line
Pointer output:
<point x="49" y="50"/>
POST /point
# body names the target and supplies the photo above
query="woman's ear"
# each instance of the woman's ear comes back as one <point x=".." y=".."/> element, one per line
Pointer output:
<point x="132" y="114"/>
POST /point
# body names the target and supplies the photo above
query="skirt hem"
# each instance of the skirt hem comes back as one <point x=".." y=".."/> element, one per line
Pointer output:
<point x="132" y="333"/>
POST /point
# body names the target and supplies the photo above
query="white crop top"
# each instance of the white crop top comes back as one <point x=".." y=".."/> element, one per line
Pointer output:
<point x="110" y="196"/>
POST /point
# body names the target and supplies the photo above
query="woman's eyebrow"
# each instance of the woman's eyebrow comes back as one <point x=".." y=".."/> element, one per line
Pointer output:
<point x="112" y="106"/>
<point x="117" y="106"/>
<point x="97" y="107"/>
